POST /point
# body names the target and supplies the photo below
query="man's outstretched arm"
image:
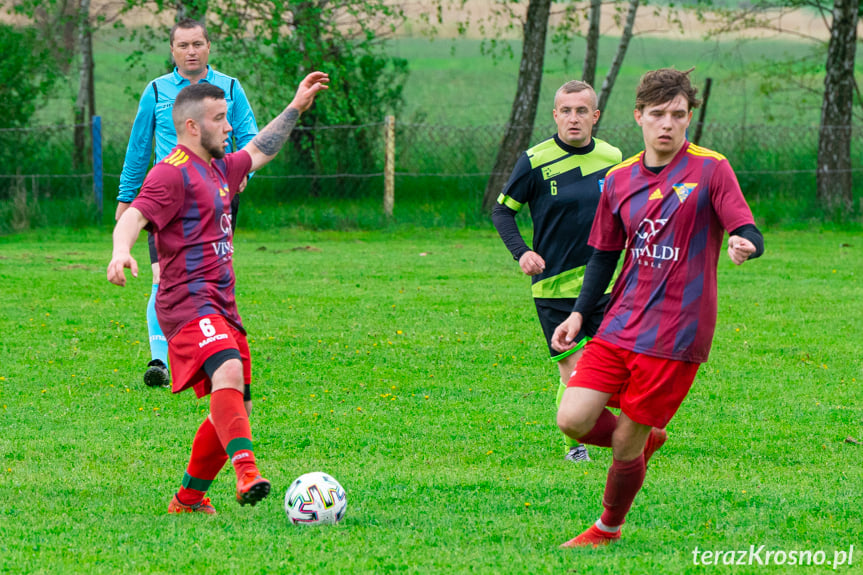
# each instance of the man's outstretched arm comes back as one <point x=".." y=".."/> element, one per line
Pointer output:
<point x="270" y="140"/>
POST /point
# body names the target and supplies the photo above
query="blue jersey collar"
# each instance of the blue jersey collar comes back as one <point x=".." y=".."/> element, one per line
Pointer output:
<point x="179" y="80"/>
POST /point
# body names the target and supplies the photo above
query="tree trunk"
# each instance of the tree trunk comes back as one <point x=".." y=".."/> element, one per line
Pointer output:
<point x="84" y="105"/>
<point x="591" y="50"/>
<point x="611" y="77"/>
<point x="702" y="114"/>
<point x="834" y="181"/>
<point x="520" y="126"/>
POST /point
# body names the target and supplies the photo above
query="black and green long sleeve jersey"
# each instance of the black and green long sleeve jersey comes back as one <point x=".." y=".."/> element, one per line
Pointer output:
<point x="561" y="185"/>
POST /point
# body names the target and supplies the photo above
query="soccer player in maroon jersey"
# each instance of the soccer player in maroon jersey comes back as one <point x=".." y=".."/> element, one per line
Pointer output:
<point x="668" y="207"/>
<point x="186" y="201"/>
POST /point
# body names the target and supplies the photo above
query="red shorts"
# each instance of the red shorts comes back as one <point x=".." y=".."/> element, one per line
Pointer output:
<point x="649" y="390"/>
<point x="195" y="343"/>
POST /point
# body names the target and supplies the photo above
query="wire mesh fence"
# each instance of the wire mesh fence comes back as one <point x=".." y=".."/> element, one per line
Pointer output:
<point x="43" y="180"/>
<point x="45" y="155"/>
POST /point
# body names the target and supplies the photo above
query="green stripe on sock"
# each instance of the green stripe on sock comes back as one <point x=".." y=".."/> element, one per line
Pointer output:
<point x="190" y="482"/>
<point x="238" y="444"/>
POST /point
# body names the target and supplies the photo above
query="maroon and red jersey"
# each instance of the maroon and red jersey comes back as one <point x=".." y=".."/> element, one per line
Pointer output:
<point x="188" y="204"/>
<point x="671" y="226"/>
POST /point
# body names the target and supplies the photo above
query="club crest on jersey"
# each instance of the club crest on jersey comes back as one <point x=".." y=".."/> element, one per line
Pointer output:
<point x="601" y="185"/>
<point x="223" y="191"/>
<point x="683" y="190"/>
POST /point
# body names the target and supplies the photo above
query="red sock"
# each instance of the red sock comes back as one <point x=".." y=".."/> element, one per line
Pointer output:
<point x="208" y="458"/>
<point x="232" y="424"/>
<point x="602" y="430"/>
<point x="624" y="481"/>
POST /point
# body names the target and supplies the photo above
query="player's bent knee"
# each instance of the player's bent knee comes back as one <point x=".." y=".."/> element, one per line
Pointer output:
<point x="579" y="410"/>
<point x="573" y="422"/>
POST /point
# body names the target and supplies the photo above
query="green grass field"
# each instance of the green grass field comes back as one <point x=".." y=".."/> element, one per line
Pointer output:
<point x="411" y="367"/>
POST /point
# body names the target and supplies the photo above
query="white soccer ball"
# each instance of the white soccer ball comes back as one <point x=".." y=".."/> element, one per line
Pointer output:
<point x="315" y="498"/>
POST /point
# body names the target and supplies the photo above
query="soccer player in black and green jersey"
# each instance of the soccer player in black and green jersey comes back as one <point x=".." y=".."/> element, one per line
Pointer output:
<point x="560" y="179"/>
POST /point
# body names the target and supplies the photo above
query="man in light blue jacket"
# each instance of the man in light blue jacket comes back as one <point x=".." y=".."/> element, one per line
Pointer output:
<point x="190" y="49"/>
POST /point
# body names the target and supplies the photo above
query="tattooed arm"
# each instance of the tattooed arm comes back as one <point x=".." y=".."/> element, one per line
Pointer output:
<point x="267" y="143"/>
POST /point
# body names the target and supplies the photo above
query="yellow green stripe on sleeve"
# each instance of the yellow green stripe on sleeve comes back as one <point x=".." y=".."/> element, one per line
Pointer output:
<point x="509" y="202"/>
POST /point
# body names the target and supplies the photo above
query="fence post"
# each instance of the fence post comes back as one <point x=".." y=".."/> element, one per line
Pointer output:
<point x="389" y="165"/>
<point x="96" y="138"/>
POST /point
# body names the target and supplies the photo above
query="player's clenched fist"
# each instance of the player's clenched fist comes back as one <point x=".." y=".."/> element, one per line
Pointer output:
<point x="531" y="263"/>
<point x="739" y="249"/>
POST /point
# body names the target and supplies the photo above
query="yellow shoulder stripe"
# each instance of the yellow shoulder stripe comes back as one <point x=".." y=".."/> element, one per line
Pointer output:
<point x="625" y="163"/>
<point x="704" y="152"/>
<point x="176" y="158"/>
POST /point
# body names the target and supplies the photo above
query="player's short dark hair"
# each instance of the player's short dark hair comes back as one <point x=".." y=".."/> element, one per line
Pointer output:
<point x="575" y="86"/>
<point x="664" y="85"/>
<point x="190" y="99"/>
<point x="188" y="24"/>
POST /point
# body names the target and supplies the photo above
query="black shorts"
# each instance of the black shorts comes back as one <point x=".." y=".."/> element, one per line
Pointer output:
<point x="553" y="312"/>
<point x="151" y="241"/>
<point x="235" y="208"/>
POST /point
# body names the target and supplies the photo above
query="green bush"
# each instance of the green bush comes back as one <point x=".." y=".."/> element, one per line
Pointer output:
<point x="26" y="75"/>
